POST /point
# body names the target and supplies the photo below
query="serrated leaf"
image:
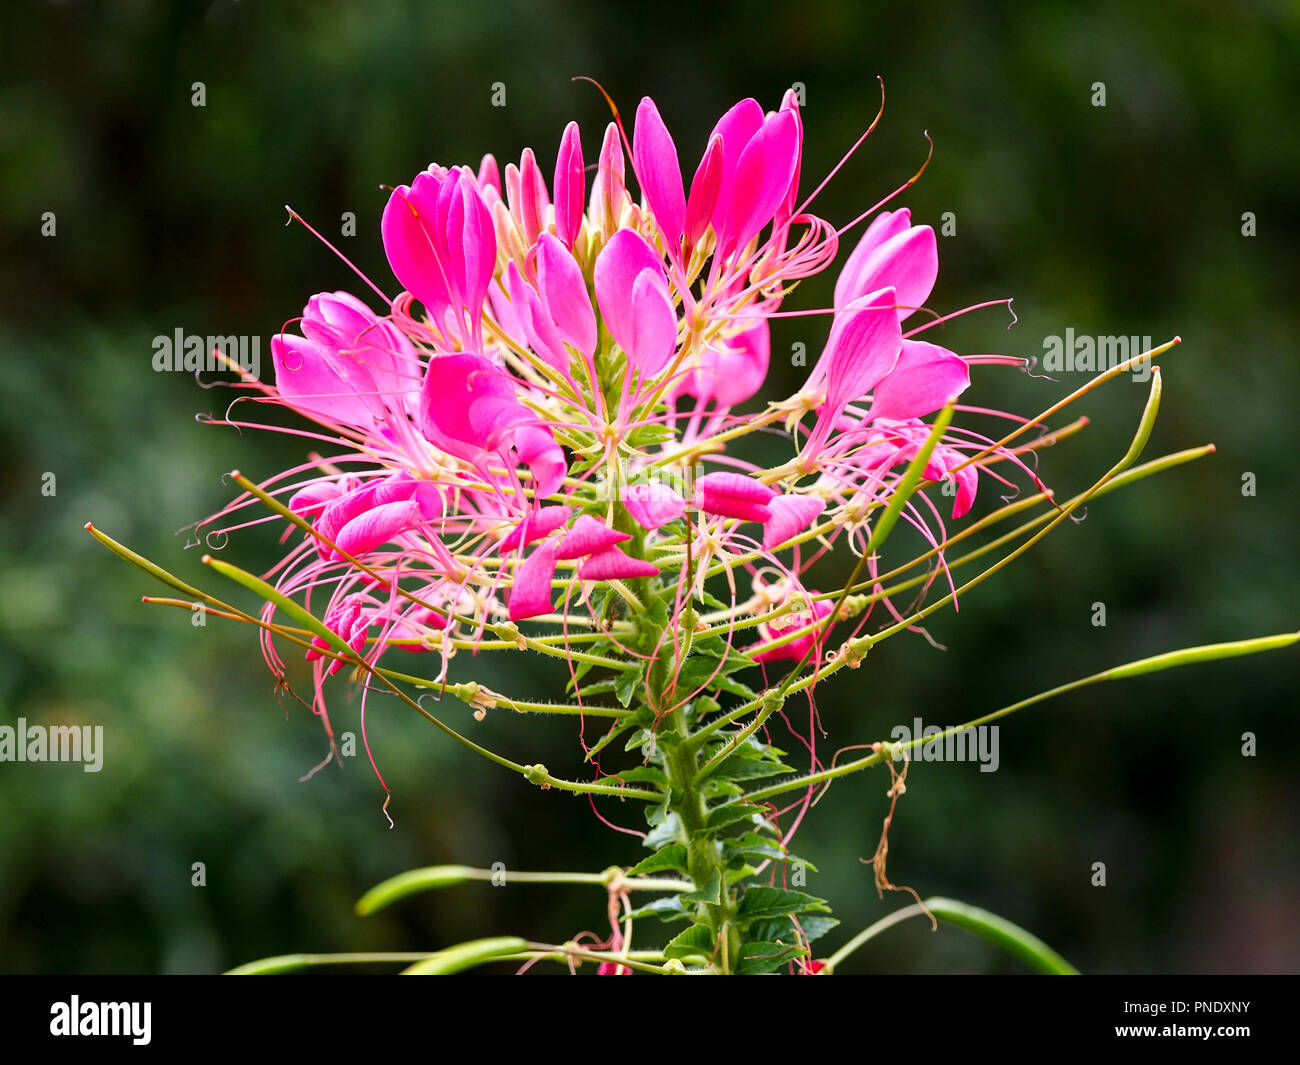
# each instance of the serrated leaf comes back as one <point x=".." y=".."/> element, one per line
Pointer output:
<point x="696" y="941"/>
<point x="710" y="893"/>
<point x="759" y="956"/>
<point x="667" y="908"/>
<point x="781" y="929"/>
<point x="643" y="774"/>
<point x="746" y="767"/>
<point x="730" y="814"/>
<point x="732" y="686"/>
<point x="668" y="831"/>
<point x="626" y="684"/>
<point x="763" y="903"/>
<point x="671" y="857"/>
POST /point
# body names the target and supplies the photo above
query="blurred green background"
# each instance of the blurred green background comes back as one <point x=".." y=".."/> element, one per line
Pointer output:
<point x="1117" y="220"/>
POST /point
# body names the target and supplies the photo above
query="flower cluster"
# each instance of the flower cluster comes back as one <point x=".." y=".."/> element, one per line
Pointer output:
<point x="550" y="405"/>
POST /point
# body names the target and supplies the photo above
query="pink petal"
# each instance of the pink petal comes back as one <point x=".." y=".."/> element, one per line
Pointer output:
<point x="795" y="649"/>
<point x="654" y="324"/>
<point x="531" y="594"/>
<point x="704" y="192"/>
<point x="736" y="129"/>
<point x="538" y="450"/>
<point x="378" y="526"/>
<point x="469" y="403"/>
<point x="654" y="158"/>
<point x="533" y="199"/>
<point x="489" y="174"/>
<point x="884" y="226"/>
<point x="564" y="294"/>
<point x="570" y="185"/>
<point x="313" y="496"/>
<point x="612" y="564"/>
<point x="907" y="261"/>
<point x="791" y="515"/>
<point x="321" y="385"/>
<point x="620" y="262"/>
<point x="923" y="380"/>
<point x="863" y="347"/>
<point x="761" y="180"/>
<point x="589" y="536"/>
<point x="411" y="243"/>
<point x="653" y="506"/>
<point x="534" y="526"/>
<point x="608" y="192"/>
<point x="733" y="495"/>
<point x="538" y="326"/>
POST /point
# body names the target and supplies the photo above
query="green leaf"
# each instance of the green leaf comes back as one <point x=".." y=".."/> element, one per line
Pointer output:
<point x="668" y="831"/>
<point x="758" y="957"/>
<point x="710" y="893"/>
<point x="735" y="687"/>
<point x="730" y="814"/>
<point x="626" y="685"/>
<point x="643" y="774"/>
<point x="671" y="857"/>
<point x="763" y="903"/>
<point x="781" y="929"/>
<point x="696" y="941"/>
<point x="666" y="908"/>
<point x="747" y="767"/>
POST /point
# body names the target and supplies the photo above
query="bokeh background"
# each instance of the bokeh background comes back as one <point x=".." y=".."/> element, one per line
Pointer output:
<point x="1125" y="219"/>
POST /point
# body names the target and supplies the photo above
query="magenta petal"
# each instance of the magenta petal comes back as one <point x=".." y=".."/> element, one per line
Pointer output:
<point x="704" y="192"/>
<point x="411" y="242"/>
<point x="907" y="261"/>
<point x="608" y="192"/>
<point x="883" y="227"/>
<point x="736" y="129"/>
<point x="923" y="380"/>
<point x="612" y="564"/>
<point x="967" y="483"/>
<point x="531" y="594"/>
<point x="797" y="648"/>
<point x="471" y="402"/>
<point x="791" y="515"/>
<point x="588" y="537"/>
<point x="863" y="347"/>
<point x="564" y="294"/>
<point x="534" y="526"/>
<point x="654" y="158"/>
<point x="538" y="327"/>
<point x="570" y="185"/>
<point x="761" y="180"/>
<point x="654" y="324"/>
<point x="378" y="526"/>
<point x="620" y="262"/>
<point x="312" y="497"/>
<point x="737" y="485"/>
<point x="544" y="458"/>
<point x="321" y="385"/>
<point x="533" y="199"/>
<point x="733" y="495"/>
<point x="653" y="505"/>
